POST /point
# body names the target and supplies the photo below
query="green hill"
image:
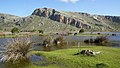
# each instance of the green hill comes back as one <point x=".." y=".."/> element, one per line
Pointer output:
<point x="51" y="20"/>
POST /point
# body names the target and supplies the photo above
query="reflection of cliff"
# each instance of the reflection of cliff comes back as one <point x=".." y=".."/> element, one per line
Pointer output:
<point x="57" y="16"/>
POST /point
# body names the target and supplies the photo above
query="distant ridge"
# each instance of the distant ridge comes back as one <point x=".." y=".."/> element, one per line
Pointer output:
<point x="51" y="20"/>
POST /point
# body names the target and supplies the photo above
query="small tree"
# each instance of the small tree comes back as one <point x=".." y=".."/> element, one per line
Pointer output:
<point x="81" y="31"/>
<point x="33" y="30"/>
<point x="15" y="30"/>
<point x="41" y="31"/>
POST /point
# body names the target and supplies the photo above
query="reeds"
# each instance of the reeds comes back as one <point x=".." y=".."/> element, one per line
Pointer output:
<point x="16" y="49"/>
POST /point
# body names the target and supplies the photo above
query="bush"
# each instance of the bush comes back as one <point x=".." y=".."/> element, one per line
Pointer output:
<point x="102" y="65"/>
<point x="58" y="40"/>
<point x="75" y="33"/>
<point x="47" y="41"/>
<point x="101" y="40"/>
<point x="81" y="31"/>
<point x="16" y="50"/>
<point x="33" y="30"/>
<point x="41" y="31"/>
<point x="98" y="40"/>
<point x="15" y="30"/>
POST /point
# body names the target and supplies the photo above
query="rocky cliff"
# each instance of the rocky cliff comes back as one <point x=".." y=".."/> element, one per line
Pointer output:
<point x="61" y="17"/>
<point x="54" y="20"/>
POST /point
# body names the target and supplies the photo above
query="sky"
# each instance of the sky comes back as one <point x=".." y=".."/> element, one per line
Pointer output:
<point x="26" y="7"/>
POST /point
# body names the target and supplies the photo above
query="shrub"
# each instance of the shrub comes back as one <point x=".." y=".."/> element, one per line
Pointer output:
<point x="16" y="50"/>
<point x="47" y="41"/>
<point x="81" y="31"/>
<point x="75" y="33"/>
<point x="98" y="40"/>
<point x="101" y="40"/>
<point x="58" y="40"/>
<point x="41" y="31"/>
<point x="33" y="30"/>
<point x="113" y="34"/>
<point x="15" y="30"/>
<point x="102" y="65"/>
<point x="98" y="33"/>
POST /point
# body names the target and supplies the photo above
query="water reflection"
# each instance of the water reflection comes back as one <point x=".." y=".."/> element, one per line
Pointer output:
<point x="23" y="63"/>
<point x="19" y="64"/>
<point x="70" y="42"/>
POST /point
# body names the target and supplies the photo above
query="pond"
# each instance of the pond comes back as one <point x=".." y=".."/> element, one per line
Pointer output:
<point x="71" y="42"/>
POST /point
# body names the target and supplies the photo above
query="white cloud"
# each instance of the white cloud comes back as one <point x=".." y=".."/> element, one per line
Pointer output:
<point x="72" y="1"/>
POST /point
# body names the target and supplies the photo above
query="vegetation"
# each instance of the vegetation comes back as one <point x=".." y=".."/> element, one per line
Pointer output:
<point x="15" y="30"/>
<point x="59" y="40"/>
<point x="16" y="50"/>
<point x="33" y="30"/>
<point x="47" y="41"/>
<point x="65" y="58"/>
<point x="99" y="40"/>
<point x="41" y="31"/>
<point x="81" y="31"/>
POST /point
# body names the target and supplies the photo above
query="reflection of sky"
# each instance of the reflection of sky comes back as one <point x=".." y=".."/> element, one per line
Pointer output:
<point x="114" y="38"/>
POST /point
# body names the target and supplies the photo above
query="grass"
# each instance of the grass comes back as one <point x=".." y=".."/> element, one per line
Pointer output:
<point x="16" y="50"/>
<point x="65" y="58"/>
<point x="19" y="35"/>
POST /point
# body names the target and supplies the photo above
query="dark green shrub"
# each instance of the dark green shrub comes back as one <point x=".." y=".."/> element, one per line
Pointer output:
<point x="81" y="31"/>
<point x="41" y="31"/>
<point x="101" y="40"/>
<point x="75" y="33"/>
<point x="15" y="30"/>
<point x="33" y="30"/>
<point x="98" y="40"/>
<point x="102" y="65"/>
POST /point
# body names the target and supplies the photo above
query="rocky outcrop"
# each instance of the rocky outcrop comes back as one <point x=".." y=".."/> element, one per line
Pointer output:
<point x="113" y="18"/>
<point x="57" y="16"/>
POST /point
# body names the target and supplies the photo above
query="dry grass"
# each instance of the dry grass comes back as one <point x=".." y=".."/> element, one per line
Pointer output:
<point x="16" y="49"/>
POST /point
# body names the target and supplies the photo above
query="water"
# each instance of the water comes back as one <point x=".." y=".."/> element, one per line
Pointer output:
<point x="71" y="41"/>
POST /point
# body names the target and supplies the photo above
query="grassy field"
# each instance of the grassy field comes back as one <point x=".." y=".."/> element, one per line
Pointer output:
<point x="65" y="58"/>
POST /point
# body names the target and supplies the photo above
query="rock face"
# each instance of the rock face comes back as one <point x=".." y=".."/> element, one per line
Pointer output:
<point x="57" y="16"/>
<point x="113" y="18"/>
<point x="57" y="21"/>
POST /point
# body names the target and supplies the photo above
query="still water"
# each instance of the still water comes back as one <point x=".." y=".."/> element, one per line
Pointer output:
<point x="71" y="41"/>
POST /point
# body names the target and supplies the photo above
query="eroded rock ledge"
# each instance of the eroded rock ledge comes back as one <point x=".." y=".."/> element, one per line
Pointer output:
<point x="57" y="16"/>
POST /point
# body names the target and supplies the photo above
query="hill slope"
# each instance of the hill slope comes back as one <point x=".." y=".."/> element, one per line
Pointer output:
<point x="51" y="20"/>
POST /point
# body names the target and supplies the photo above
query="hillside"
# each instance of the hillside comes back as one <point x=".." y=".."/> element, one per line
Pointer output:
<point x="51" y="20"/>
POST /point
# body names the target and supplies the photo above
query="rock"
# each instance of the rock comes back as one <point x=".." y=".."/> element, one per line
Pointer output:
<point x="89" y="52"/>
<point x="113" y="18"/>
<point x="57" y="16"/>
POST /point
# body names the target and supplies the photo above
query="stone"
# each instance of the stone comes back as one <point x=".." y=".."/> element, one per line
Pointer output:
<point x="56" y="16"/>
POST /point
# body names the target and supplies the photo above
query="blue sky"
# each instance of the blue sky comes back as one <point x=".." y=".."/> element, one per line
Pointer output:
<point x="26" y="7"/>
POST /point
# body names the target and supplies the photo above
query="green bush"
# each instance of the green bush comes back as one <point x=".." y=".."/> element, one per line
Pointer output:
<point x="15" y="30"/>
<point x="81" y="31"/>
<point x="41" y="31"/>
<point x="33" y="30"/>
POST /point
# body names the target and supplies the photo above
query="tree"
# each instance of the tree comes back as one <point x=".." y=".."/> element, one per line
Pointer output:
<point x="81" y="31"/>
<point x="41" y="31"/>
<point x="15" y="30"/>
<point x="33" y="30"/>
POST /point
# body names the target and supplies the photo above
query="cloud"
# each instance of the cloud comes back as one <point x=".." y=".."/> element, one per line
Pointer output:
<point x="72" y="1"/>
